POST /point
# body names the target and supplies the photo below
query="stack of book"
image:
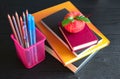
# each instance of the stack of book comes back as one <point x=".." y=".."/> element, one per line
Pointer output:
<point x="67" y="48"/>
<point x="76" y="42"/>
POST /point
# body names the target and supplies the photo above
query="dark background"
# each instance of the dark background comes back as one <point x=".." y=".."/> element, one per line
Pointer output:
<point x="105" y="14"/>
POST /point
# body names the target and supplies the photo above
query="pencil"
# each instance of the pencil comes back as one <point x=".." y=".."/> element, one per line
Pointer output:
<point x="22" y="29"/>
<point x="26" y="12"/>
<point x="21" y="24"/>
<point x="17" y="31"/>
<point x="19" y="27"/>
<point x="12" y="27"/>
<point x="25" y="30"/>
<point x="27" y="18"/>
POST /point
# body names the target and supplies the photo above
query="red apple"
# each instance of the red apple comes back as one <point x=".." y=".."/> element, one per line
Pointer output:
<point x="71" y="24"/>
<point x="75" y="26"/>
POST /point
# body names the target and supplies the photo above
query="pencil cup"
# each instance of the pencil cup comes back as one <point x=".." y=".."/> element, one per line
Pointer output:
<point x="34" y="54"/>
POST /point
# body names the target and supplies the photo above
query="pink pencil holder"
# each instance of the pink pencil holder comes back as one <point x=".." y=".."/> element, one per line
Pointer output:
<point x="34" y="54"/>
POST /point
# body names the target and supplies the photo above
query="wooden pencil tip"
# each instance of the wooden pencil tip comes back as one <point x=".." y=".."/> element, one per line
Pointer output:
<point x="13" y="16"/>
<point x="8" y="15"/>
<point x="20" y="17"/>
<point x="26" y="11"/>
<point x="23" y="14"/>
<point x="16" y="13"/>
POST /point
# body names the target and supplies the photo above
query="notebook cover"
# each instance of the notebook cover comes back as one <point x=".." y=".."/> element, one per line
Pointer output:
<point x="51" y="23"/>
<point x="66" y="57"/>
<point x="80" y="40"/>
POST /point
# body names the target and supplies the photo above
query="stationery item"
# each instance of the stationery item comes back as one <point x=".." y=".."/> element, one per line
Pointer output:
<point x="13" y="27"/>
<point x="61" y="51"/>
<point x="19" y="27"/>
<point x="25" y="32"/>
<point x="80" y="40"/>
<point x="26" y="16"/>
<point x="34" y="37"/>
<point x="31" y="29"/>
<point x="32" y="34"/>
<point x="23" y="27"/>
<point x="17" y="31"/>
<point x="25" y="53"/>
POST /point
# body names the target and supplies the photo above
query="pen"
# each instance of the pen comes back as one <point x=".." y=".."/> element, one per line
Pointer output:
<point x="34" y="39"/>
<point x="31" y="29"/>
<point x="32" y="33"/>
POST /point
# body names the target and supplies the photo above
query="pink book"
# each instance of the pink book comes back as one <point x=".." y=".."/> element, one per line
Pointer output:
<point x="80" y="40"/>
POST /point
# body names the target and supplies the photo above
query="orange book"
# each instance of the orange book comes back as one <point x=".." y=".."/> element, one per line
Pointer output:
<point x="62" y="52"/>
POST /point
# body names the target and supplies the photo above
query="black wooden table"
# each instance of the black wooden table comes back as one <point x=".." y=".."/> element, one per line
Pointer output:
<point x="105" y="14"/>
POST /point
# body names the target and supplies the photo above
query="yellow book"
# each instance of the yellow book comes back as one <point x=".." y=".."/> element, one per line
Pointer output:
<point x="62" y="52"/>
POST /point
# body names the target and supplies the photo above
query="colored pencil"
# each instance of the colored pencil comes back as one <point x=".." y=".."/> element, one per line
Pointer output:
<point x="17" y="30"/>
<point x="12" y="27"/>
<point x="25" y="30"/>
<point x="19" y="27"/>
